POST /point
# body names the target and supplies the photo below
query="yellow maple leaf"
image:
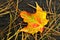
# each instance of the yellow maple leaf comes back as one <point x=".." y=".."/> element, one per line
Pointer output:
<point x="36" y="21"/>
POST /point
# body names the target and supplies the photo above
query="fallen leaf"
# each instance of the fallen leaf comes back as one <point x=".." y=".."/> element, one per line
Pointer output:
<point x="36" y="21"/>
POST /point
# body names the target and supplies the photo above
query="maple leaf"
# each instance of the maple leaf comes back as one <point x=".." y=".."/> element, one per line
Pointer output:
<point x="36" y="21"/>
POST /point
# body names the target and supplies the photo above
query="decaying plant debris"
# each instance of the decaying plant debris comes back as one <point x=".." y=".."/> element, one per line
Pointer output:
<point x="11" y="22"/>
